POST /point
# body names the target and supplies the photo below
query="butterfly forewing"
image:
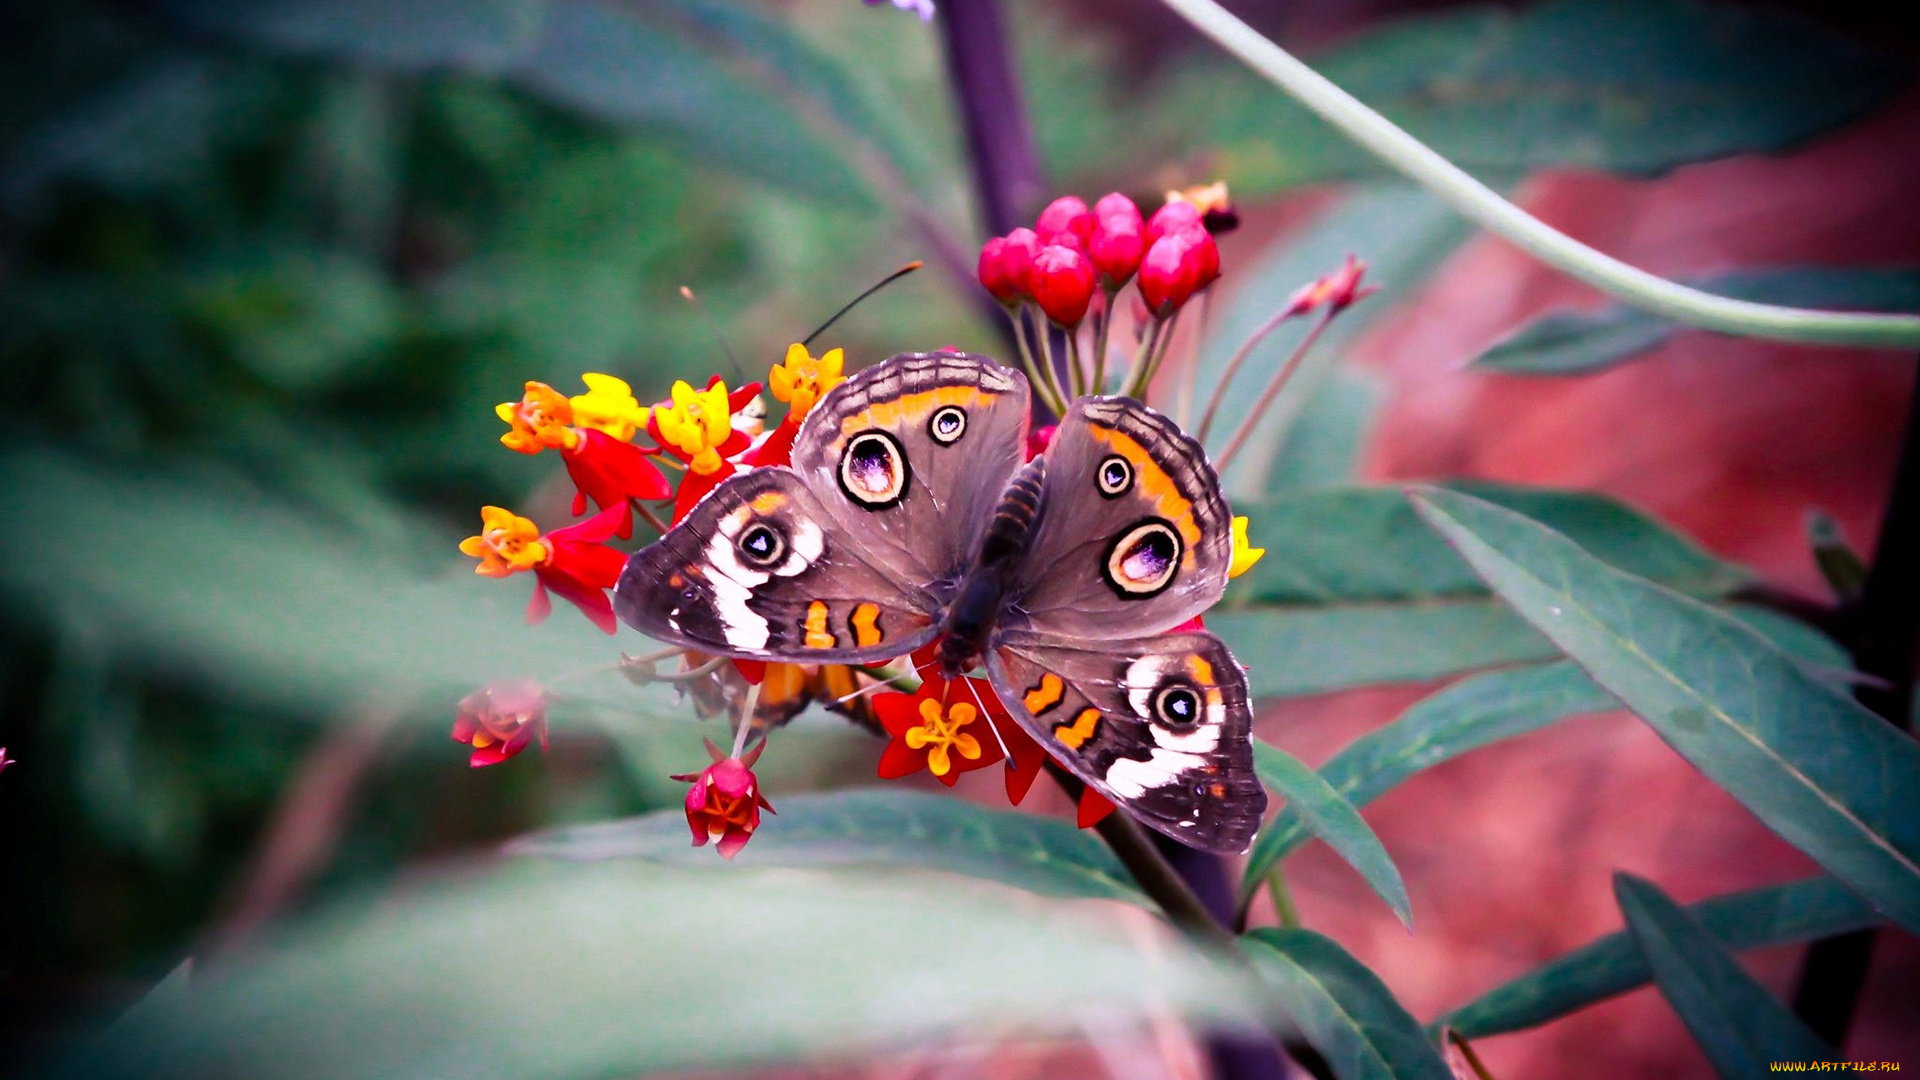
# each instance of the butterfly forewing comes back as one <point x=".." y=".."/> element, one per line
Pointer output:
<point x="1133" y="535"/>
<point x="759" y="568"/>
<point x="912" y="454"/>
<point x="1159" y="725"/>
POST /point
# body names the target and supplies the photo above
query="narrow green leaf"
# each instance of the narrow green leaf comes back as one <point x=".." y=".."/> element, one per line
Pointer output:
<point x="1327" y="814"/>
<point x="1472" y="713"/>
<point x="1637" y="86"/>
<point x="554" y="971"/>
<point x="1732" y="1017"/>
<point x="1578" y="343"/>
<point x="1342" y="1008"/>
<point x="1774" y="915"/>
<point x="1402" y="232"/>
<point x="1829" y="776"/>
<point x="890" y="828"/>
<point x="1358" y="591"/>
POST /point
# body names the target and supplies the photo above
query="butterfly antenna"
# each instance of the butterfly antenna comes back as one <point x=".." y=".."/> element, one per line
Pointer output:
<point x="714" y="328"/>
<point x="991" y="726"/>
<point x="883" y="684"/>
<point x="874" y="288"/>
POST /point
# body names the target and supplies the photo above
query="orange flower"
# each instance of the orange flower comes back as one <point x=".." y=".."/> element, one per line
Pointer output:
<point x="574" y="562"/>
<point x="507" y="543"/>
<point x="500" y="720"/>
<point x="541" y="420"/>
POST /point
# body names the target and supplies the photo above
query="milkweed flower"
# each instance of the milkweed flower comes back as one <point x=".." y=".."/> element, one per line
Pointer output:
<point x="1216" y="207"/>
<point x="1063" y="282"/>
<point x="1176" y="266"/>
<point x="1244" y="553"/>
<point x="696" y="426"/>
<point x="574" y="562"/>
<point x="593" y="433"/>
<point x="1118" y="240"/>
<point x="724" y="803"/>
<point x="800" y="381"/>
<point x="501" y="719"/>
<point x="1337" y="290"/>
<point x="941" y="727"/>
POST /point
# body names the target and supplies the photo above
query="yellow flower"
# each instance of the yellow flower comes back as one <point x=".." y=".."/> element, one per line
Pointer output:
<point x="940" y="729"/>
<point x="540" y="420"/>
<point x="609" y="406"/>
<point x="507" y="543"/>
<point x="697" y="424"/>
<point x="802" y="381"/>
<point x="1244" y="553"/>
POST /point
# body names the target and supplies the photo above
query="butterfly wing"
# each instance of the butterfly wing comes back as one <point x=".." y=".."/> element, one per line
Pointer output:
<point x="911" y="455"/>
<point x="1133" y="535"/>
<point x="760" y="568"/>
<point x="1160" y="725"/>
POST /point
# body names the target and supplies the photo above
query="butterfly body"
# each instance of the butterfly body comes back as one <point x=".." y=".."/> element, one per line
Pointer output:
<point x="909" y="516"/>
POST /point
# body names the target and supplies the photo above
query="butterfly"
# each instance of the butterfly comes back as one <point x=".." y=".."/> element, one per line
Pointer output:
<point x="909" y="515"/>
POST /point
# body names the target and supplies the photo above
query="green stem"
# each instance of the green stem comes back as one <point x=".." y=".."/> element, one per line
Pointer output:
<point x="1480" y="204"/>
<point x="1040" y="385"/>
<point x="1233" y="368"/>
<point x="1074" y="362"/>
<point x="1282" y="900"/>
<point x="1101" y="327"/>
<point x="1158" y="357"/>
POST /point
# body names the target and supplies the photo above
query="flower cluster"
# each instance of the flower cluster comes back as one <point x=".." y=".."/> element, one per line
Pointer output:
<point x="1071" y="267"/>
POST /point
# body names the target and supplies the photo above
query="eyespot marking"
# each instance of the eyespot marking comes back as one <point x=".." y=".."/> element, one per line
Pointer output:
<point x="818" y="636"/>
<point x="761" y="545"/>
<point x="865" y="622"/>
<point x="873" y="470"/>
<point x="947" y="424"/>
<point x="1177" y="706"/>
<point x="1114" y="475"/>
<point x="1143" y="561"/>
<point x="1046" y="695"/>
<point x="1075" y="735"/>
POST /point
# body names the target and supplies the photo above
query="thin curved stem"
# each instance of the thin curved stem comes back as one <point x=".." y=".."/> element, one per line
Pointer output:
<point x="1274" y="386"/>
<point x="1482" y="205"/>
<point x="1233" y="368"/>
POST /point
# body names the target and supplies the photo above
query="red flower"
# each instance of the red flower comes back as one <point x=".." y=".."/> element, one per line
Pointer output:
<point x="1067" y="215"/>
<point x="1063" y="283"/>
<point x="724" y="803"/>
<point x="610" y="472"/>
<point x="1039" y="439"/>
<point x="941" y="728"/>
<point x="1338" y="290"/>
<point x="1118" y="239"/>
<point x="1172" y="218"/>
<point x="1093" y="809"/>
<point x="499" y="720"/>
<point x="1177" y="266"/>
<point x="574" y="562"/>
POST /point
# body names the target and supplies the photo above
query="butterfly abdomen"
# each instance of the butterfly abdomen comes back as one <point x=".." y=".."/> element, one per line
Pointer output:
<point x="982" y="592"/>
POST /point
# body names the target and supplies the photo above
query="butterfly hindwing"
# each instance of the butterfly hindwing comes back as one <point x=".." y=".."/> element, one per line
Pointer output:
<point x="911" y="454"/>
<point x="760" y="569"/>
<point x="1160" y="725"/>
<point x="1133" y="536"/>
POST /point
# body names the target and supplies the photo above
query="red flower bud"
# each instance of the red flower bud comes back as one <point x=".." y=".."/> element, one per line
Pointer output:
<point x="994" y="271"/>
<point x="1117" y="246"/>
<point x="1171" y="218"/>
<point x="1177" y="266"/>
<point x="1022" y="248"/>
<point x="1338" y="290"/>
<point x="1039" y="439"/>
<point x="1115" y="205"/>
<point x="498" y="721"/>
<point x="1063" y="284"/>
<point x="1067" y="214"/>
<point x="724" y="803"/>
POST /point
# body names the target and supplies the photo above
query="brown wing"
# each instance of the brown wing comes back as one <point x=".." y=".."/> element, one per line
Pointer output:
<point x="1133" y="536"/>
<point x="1160" y="725"/>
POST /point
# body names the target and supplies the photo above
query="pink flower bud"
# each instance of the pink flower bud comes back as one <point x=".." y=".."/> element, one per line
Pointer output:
<point x="1063" y="284"/>
<point x="1117" y="246"/>
<point x="1023" y="247"/>
<point x="1115" y="205"/>
<point x="1178" y="265"/>
<point x="1066" y="214"/>
<point x="993" y="270"/>
<point x="1171" y="218"/>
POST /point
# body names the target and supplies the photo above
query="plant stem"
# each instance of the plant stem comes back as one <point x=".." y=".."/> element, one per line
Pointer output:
<point x="1884" y="640"/>
<point x="1482" y="205"/>
<point x="1272" y="391"/>
<point x="1076" y="363"/>
<point x="1233" y="368"/>
<point x="1039" y="385"/>
<point x="1142" y="355"/>
<point x="1006" y="168"/>
<point x="1101" y="328"/>
<point x="1160" y="880"/>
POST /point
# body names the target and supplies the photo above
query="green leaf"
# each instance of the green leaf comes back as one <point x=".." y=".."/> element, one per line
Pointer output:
<point x="1472" y="713"/>
<point x="1357" y="591"/>
<point x="1757" y="918"/>
<point x="631" y="66"/>
<point x="1829" y="776"/>
<point x="562" y="971"/>
<point x="200" y="575"/>
<point x="1732" y="1017"/>
<point x="1325" y="813"/>
<point x="892" y="828"/>
<point x="1402" y="232"/>
<point x="1323" y="446"/>
<point x="1342" y="1008"/>
<point x="1638" y="87"/>
<point x="1581" y="342"/>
